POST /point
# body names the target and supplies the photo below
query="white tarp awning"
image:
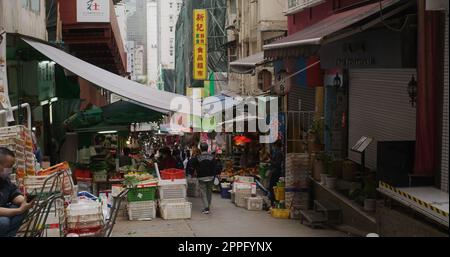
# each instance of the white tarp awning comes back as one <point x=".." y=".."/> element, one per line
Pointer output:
<point x="148" y="97"/>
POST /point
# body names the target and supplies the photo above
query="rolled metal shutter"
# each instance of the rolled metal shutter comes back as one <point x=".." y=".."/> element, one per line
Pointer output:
<point x="444" y="163"/>
<point x="301" y="97"/>
<point x="379" y="107"/>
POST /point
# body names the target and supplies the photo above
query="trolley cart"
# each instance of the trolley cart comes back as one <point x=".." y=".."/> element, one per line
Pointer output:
<point x="48" y="190"/>
<point x="107" y="229"/>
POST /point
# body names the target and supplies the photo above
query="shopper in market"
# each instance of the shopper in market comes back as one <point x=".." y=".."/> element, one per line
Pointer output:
<point x="276" y="163"/>
<point x="176" y="154"/>
<point x="205" y="168"/>
<point x="13" y="205"/>
<point x="190" y="171"/>
<point x="125" y="159"/>
<point x="166" y="160"/>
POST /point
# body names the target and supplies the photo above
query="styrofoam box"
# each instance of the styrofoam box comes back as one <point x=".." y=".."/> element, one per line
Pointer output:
<point x="254" y="203"/>
<point x="240" y="199"/>
<point x="173" y="211"/>
<point x="244" y="179"/>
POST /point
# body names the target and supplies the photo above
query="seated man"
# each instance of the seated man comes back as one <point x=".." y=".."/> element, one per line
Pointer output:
<point x="13" y="206"/>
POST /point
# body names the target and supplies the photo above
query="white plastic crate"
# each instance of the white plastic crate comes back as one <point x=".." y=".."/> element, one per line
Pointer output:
<point x="172" y="192"/>
<point x="85" y="218"/>
<point x="254" y="203"/>
<point x="142" y="211"/>
<point x="168" y="201"/>
<point x="174" y="211"/>
<point x="82" y="225"/>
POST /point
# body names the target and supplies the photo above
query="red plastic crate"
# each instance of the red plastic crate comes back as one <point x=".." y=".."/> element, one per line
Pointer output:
<point x="172" y="174"/>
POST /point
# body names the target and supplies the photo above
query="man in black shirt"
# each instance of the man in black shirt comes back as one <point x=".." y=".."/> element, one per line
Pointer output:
<point x="13" y="206"/>
<point x="205" y="168"/>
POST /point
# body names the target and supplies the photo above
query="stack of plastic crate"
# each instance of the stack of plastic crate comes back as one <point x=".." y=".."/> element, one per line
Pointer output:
<point x="85" y="217"/>
<point x="19" y="140"/>
<point x="297" y="181"/>
<point x="172" y="199"/>
<point x="141" y="203"/>
<point x="243" y="187"/>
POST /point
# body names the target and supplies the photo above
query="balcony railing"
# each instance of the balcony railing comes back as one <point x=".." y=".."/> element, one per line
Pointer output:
<point x="299" y="5"/>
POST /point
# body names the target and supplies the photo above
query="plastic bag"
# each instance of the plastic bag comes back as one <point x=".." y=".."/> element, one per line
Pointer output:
<point x="216" y="181"/>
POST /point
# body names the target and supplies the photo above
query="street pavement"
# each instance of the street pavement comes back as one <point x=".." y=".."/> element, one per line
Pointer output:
<point x="226" y="220"/>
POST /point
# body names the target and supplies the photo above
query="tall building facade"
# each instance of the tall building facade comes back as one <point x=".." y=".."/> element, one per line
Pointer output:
<point x="121" y="14"/>
<point x="152" y="43"/>
<point x="161" y="27"/>
<point x="137" y="25"/>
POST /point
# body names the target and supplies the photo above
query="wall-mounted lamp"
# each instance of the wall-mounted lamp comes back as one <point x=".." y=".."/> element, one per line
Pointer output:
<point x="337" y="82"/>
<point x="412" y="91"/>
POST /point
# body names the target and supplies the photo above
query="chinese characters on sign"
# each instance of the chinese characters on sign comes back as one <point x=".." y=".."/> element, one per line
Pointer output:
<point x="93" y="11"/>
<point x="200" y="44"/>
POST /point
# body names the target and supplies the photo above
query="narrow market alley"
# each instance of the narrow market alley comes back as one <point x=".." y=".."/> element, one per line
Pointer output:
<point x="226" y="220"/>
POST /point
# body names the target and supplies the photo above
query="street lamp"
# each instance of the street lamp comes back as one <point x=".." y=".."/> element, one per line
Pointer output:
<point x="412" y="90"/>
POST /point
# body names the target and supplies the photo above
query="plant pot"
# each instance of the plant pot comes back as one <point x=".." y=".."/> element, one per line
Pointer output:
<point x="369" y="205"/>
<point x="318" y="170"/>
<point x="323" y="178"/>
<point x="331" y="182"/>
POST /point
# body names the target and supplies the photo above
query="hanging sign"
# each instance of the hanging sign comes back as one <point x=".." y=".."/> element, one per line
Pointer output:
<point x="93" y="11"/>
<point x="4" y="94"/>
<point x="200" y="44"/>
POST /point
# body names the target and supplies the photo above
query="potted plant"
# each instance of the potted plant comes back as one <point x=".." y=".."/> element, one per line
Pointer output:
<point x="370" y="195"/>
<point x="315" y="136"/>
<point x="318" y="167"/>
<point x="330" y="175"/>
<point x="326" y="172"/>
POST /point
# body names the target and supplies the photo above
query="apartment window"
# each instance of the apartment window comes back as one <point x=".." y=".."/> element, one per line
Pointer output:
<point x="264" y="80"/>
<point x="32" y="5"/>
<point x="171" y="5"/>
<point x="171" y="29"/>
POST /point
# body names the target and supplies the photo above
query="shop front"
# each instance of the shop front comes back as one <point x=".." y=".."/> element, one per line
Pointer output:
<point x="367" y="94"/>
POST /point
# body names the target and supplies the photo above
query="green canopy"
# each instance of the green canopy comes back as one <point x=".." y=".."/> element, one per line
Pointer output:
<point x="119" y="114"/>
<point x="125" y="113"/>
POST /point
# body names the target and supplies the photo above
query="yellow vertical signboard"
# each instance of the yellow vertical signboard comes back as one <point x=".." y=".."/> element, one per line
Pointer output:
<point x="200" y="44"/>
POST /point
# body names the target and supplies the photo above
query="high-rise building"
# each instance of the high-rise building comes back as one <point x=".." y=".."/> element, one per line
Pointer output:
<point x="153" y="45"/>
<point x="168" y="17"/>
<point x="137" y="25"/>
<point x="121" y="14"/>
<point x="161" y="28"/>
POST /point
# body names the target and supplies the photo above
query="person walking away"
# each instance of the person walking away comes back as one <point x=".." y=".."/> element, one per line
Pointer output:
<point x="190" y="171"/>
<point x="13" y="205"/>
<point x="276" y="167"/>
<point x="205" y="168"/>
